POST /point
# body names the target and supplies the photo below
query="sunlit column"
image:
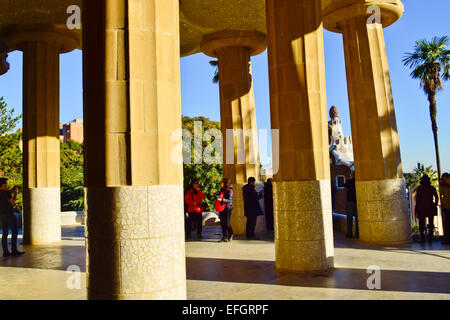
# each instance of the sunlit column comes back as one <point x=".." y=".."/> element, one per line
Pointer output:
<point x="380" y="185"/>
<point x="237" y="109"/>
<point x="132" y="107"/>
<point x="302" y="190"/>
<point x="41" y="46"/>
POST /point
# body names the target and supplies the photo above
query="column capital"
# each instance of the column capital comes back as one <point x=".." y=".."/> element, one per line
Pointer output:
<point x="337" y="12"/>
<point x="16" y="36"/>
<point x="254" y="40"/>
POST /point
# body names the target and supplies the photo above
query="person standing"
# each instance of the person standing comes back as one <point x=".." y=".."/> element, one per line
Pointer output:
<point x="8" y="219"/>
<point x="352" y="207"/>
<point x="333" y="195"/>
<point x="426" y="207"/>
<point x="224" y="206"/>
<point x="251" y="207"/>
<point x="194" y="200"/>
<point x="444" y="189"/>
<point x="268" y="204"/>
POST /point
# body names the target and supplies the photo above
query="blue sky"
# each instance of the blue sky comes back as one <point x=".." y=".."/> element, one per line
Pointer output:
<point x="201" y="97"/>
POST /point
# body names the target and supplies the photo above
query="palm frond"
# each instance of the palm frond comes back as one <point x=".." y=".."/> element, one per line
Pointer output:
<point x="430" y="63"/>
<point x="215" y="63"/>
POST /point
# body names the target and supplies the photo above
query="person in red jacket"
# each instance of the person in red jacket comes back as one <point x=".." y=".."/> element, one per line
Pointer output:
<point x="224" y="206"/>
<point x="194" y="200"/>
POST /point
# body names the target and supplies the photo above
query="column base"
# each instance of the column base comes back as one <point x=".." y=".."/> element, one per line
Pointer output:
<point x="135" y="243"/>
<point x="42" y="216"/>
<point x="383" y="212"/>
<point x="303" y="226"/>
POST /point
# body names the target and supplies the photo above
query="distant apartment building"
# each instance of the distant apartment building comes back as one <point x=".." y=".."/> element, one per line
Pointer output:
<point x="72" y="130"/>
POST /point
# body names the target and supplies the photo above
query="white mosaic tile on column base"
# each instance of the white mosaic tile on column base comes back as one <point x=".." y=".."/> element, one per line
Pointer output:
<point x="383" y="212"/>
<point x="135" y="243"/>
<point x="303" y="225"/>
<point x="42" y="216"/>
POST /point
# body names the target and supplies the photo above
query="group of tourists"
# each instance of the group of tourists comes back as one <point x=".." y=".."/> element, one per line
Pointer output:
<point x="194" y="206"/>
<point x="427" y="202"/>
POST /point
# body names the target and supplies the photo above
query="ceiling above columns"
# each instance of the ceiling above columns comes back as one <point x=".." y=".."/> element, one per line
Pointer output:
<point x="197" y="17"/>
<point x="26" y="14"/>
<point x="336" y="12"/>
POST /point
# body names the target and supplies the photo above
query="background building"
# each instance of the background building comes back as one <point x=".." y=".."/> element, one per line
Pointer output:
<point x="72" y="130"/>
<point x="341" y="159"/>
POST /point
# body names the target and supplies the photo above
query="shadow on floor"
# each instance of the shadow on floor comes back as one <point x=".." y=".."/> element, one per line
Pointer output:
<point x="51" y="257"/>
<point x="56" y="256"/>
<point x="263" y="272"/>
<point x="412" y="248"/>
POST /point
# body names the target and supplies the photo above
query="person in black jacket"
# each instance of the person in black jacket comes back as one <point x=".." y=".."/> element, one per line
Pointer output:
<point x="251" y="206"/>
<point x="352" y="207"/>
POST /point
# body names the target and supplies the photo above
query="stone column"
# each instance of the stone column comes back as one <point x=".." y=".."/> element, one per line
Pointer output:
<point x="41" y="46"/>
<point x="380" y="185"/>
<point x="237" y="110"/>
<point x="132" y="106"/>
<point x="302" y="190"/>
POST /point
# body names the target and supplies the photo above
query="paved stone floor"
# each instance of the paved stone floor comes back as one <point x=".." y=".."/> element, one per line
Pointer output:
<point x="245" y="270"/>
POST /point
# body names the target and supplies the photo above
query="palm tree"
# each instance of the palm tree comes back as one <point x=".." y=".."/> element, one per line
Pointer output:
<point x="215" y="63"/>
<point x="413" y="179"/>
<point x="430" y="62"/>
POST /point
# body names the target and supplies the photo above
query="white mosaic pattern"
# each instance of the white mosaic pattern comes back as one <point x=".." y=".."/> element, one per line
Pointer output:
<point x="42" y="215"/>
<point x="303" y="225"/>
<point x="135" y="242"/>
<point x="383" y="211"/>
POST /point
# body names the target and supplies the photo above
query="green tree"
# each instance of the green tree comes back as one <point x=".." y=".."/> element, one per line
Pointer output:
<point x="208" y="175"/>
<point x="8" y="121"/>
<point x="10" y="150"/>
<point x="413" y="179"/>
<point x="430" y="62"/>
<point x="72" y="176"/>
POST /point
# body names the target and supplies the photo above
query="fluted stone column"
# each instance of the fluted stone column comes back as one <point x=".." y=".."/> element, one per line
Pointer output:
<point x="132" y="106"/>
<point x="302" y="190"/>
<point x="237" y="109"/>
<point x="380" y="185"/>
<point x="41" y="46"/>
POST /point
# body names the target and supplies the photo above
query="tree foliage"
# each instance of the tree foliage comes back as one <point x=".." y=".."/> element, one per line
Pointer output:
<point x="10" y="150"/>
<point x="215" y="64"/>
<point x="208" y="175"/>
<point x="8" y="121"/>
<point x="72" y="176"/>
<point x="413" y="179"/>
<point x="11" y="163"/>
<point x="430" y="64"/>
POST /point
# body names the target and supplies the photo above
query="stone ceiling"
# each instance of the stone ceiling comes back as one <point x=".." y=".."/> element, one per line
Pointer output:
<point x="197" y="17"/>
